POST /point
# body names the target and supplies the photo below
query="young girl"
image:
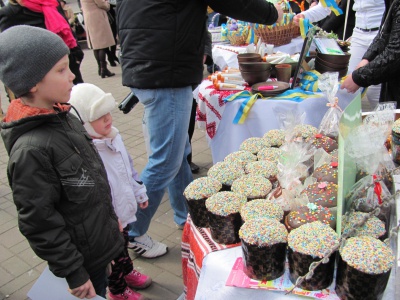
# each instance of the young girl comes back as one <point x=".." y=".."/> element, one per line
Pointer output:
<point x="58" y="181"/>
<point x="94" y="107"/>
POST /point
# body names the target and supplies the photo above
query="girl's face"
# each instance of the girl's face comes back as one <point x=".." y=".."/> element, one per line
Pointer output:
<point x="103" y="125"/>
<point x="55" y="87"/>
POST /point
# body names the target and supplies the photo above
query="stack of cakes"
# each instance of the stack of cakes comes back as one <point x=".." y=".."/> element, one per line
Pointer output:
<point x="363" y="268"/>
<point x="196" y="194"/>
<point x="373" y="227"/>
<point x="275" y="137"/>
<point x="223" y="209"/>
<point x="226" y="172"/>
<point x="323" y="194"/>
<point x="243" y="157"/>
<point x="307" y="214"/>
<point x="327" y="172"/>
<point x="261" y="208"/>
<point x="304" y="131"/>
<point x="307" y="244"/>
<point x="254" y="145"/>
<point x="264" y="168"/>
<point x="270" y="154"/>
<point x="252" y="186"/>
<point x="264" y="244"/>
<point x="324" y="142"/>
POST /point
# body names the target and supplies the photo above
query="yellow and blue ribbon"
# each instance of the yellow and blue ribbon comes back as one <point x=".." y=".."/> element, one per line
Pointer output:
<point x="331" y="4"/>
<point x="246" y="105"/>
<point x="305" y="26"/>
<point x="309" y="81"/>
<point x="296" y="95"/>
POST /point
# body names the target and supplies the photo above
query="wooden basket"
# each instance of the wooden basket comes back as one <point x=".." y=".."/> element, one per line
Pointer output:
<point x="237" y="40"/>
<point x="278" y="35"/>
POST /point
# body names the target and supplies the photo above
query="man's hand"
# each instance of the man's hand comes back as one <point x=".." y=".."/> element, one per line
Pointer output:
<point x="296" y="19"/>
<point x="144" y="205"/>
<point x="349" y="84"/>
<point x="280" y="12"/>
<point x="84" y="291"/>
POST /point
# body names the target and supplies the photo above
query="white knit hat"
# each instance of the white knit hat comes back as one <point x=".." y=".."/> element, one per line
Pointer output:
<point x="91" y="102"/>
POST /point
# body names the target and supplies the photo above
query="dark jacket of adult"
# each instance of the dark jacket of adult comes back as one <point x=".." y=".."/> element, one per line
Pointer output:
<point x="384" y="58"/>
<point x="15" y="14"/>
<point x="62" y="195"/>
<point x="162" y="42"/>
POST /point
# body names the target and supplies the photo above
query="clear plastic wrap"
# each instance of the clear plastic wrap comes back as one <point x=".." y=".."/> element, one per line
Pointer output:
<point x="366" y="146"/>
<point x="293" y="168"/>
<point x="328" y="83"/>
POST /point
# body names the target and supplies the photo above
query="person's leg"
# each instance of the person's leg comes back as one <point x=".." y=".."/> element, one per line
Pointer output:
<point x="193" y="167"/>
<point x="99" y="281"/>
<point x="167" y="114"/>
<point x="100" y="55"/>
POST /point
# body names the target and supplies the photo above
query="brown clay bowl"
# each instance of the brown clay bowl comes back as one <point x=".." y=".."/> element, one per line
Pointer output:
<point x="255" y="77"/>
<point x="249" y="57"/>
<point x="342" y="72"/>
<point x="319" y="66"/>
<point x="338" y="59"/>
<point x="254" y="66"/>
<point x="331" y="65"/>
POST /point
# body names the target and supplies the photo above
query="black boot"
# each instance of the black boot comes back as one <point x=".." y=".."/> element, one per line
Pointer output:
<point x="104" y="72"/>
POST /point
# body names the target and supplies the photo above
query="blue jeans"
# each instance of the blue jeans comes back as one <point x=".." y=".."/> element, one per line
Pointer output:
<point x="166" y="115"/>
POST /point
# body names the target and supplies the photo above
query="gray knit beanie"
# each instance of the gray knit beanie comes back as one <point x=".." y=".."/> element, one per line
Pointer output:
<point x="27" y="55"/>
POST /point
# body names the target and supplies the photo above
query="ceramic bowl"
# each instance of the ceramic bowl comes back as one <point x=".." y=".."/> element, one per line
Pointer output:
<point x="331" y="65"/>
<point x="332" y="58"/>
<point x="249" y="57"/>
<point x="255" y="77"/>
<point x="254" y="66"/>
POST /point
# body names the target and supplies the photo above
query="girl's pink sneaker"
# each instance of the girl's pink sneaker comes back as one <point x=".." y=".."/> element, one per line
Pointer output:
<point x="128" y="294"/>
<point x="137" y="280"/>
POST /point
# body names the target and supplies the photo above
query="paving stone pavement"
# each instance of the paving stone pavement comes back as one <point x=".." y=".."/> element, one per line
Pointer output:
<point x="20" y="267"/>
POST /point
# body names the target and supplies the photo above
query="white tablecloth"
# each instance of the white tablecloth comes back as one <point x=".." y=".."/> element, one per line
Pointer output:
<point x="227" y="137"/>
<point x="225" y="55"/>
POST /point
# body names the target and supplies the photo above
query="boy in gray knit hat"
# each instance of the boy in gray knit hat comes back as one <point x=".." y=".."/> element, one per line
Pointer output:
<point x="59" y="183"/>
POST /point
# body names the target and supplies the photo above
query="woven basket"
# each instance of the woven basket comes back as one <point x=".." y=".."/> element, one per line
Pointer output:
<point x="278" y="35"/>
<point x="296" y="31"/>
<point x="237" y="40"/>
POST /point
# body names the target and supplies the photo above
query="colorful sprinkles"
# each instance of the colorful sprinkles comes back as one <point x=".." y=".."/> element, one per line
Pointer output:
<point x="322" y="193"/>
<point x="252" y="186"/>
<point x="225" y="203"/>
<point x="275" y="137"/>
<point x="327" y="172"/>
<point x="324" y="142"/>
<point x="367" y="254"/>
<point x="396" y="126"/>
<point x="261" y="208"/>
<point x="313" y="239"/>
<point x="373" y="227"/>
<point x="263" y="232"/>
<point x="305" y="131"/>
<point x="310" y="213"/>
<point x="271" y="154"/>
<point x="264" y="168"/>
<point x="226" y="171"/>
<point x="254" y="144"/>
<point x="241" y="156"/>
<point x="202" y="188"/>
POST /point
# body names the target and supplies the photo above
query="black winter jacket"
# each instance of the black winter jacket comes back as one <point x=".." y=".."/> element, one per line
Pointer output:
<point x="384" y="59"/>
<point x="62" y="195"/>
<point x="162" y="42"/>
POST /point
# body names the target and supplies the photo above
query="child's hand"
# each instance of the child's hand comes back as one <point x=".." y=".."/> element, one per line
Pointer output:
<point x="84" y="291"/>
<point x="144" y="205"/>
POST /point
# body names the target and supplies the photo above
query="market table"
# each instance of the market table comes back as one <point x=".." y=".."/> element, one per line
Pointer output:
<point x="224" y="137"/>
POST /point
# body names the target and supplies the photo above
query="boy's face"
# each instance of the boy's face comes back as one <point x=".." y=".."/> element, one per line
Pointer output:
<point x="56" y="86"/>
<point x="102" y="125"/>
